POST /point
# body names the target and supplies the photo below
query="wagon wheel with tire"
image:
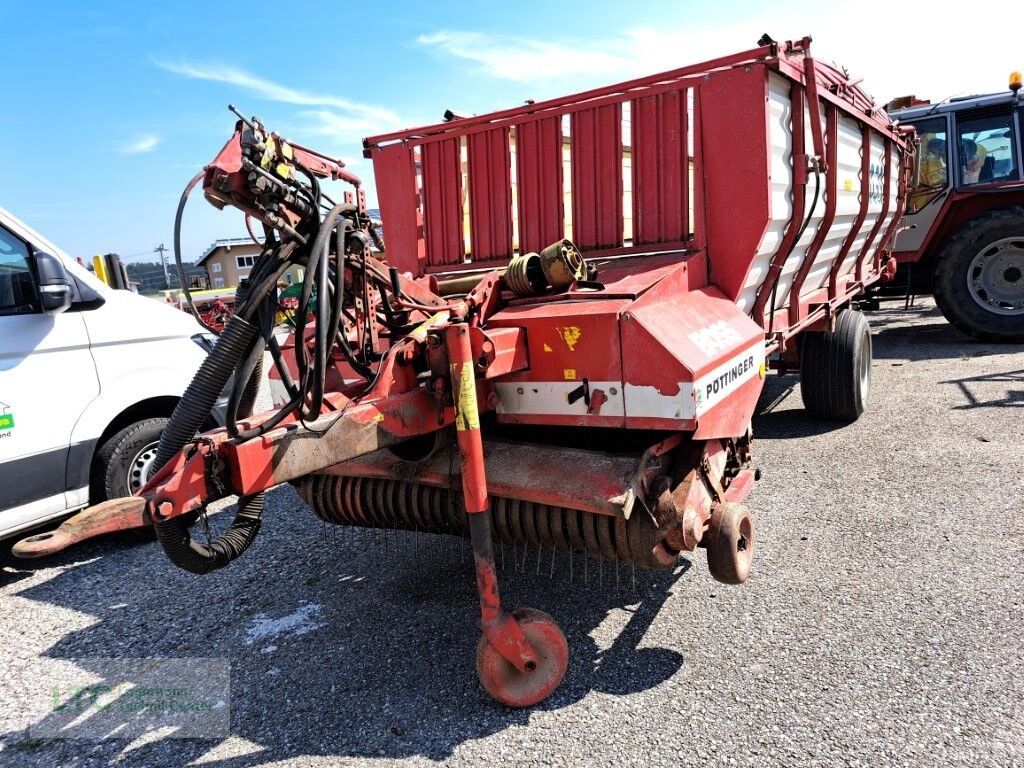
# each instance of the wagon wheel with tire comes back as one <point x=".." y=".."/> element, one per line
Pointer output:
<point x="979" y="277"/>
<point x="835" y="368"/>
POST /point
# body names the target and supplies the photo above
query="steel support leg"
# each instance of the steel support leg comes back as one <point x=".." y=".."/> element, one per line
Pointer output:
<point x="502" y="631"/>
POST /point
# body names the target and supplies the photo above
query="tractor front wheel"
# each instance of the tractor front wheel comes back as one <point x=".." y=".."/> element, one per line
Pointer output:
<point x="979" y="277"/>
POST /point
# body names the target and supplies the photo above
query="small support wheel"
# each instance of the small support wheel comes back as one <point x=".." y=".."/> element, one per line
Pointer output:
<point x="517" y="689"/>
<point x="730" y="543"/>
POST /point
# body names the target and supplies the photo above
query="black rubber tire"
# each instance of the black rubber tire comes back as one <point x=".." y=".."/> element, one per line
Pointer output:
<point x="114" y="459"/>
<point x="951" y="273"/>
<point x="835" y="368"/>
<point x="112" y="466"/>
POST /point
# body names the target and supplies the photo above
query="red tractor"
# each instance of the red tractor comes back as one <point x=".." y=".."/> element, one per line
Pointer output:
<point x="964" y="240"/>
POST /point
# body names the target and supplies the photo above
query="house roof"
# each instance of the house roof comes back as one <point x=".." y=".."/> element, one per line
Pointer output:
<point x="226" y="244"/>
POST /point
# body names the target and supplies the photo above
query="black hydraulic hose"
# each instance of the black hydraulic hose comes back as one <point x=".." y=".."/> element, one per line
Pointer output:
<point x="193" y="408"/>
<point x="177" y="251"/>
<point x="243" y="396"/>
<point x="186" y="553"/>
<point x="211" y="378"/>
<point x="323" y="313"/>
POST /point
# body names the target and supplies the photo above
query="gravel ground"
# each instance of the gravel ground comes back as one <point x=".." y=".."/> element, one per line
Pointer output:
<point x="881" y="625"/>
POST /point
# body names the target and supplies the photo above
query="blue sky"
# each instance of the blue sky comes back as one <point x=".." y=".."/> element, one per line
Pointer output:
<point x="110" y="109"/>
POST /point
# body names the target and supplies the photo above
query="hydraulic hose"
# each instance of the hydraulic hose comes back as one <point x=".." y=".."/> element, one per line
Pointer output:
<point x="198" y="558"/>
<point x="199" y="398"/>
<point x="193" y="408"/>
<point x="182" y="282"/>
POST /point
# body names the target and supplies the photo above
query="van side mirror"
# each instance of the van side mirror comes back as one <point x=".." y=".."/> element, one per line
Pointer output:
<point x="55" y="291"/>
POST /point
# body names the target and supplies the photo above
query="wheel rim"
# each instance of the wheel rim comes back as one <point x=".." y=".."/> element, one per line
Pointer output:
<point x="995" y="277"/>
<point x="865" y="368"/>
<point x="744" y="552"/>
<point x="513" y="688"/>
<point x="141" y="468"/>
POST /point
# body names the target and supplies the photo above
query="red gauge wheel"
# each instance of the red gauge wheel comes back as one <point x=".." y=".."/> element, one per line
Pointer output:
<point x="523" y="689"/>
<point x="730" y="543"/>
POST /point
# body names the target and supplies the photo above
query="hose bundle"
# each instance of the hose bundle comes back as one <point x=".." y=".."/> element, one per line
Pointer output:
<point x="342" y="283"/>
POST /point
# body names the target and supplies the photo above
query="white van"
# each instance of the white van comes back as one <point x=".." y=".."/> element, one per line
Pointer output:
<point x="88" y="377"/>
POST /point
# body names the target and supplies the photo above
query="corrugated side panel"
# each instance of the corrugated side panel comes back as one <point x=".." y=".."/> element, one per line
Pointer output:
<point x="781" y="153"/>
<point x="442" y="201"/>
<point x="876" y="183"/>
<point x="847" y="205"/>
<point x="539" y="183"/>
<point x="894" y="193"/>
<point x="796" y="258"/>
<point x="597" y="177"/>
<point x="490" y="195"/>
<point x="660" y="168"/>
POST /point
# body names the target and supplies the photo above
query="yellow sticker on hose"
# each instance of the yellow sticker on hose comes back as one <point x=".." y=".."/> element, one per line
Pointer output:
<point x="466" y="414"/>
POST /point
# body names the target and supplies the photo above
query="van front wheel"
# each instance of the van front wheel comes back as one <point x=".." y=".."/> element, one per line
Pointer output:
<point x="125" y="461"/>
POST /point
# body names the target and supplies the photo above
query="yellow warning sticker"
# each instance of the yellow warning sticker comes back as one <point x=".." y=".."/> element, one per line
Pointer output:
<point x="570" y="374"/>
<point x="466" y="415"/>
<point x="570" y="335"/>
<point x="848" y="185"/>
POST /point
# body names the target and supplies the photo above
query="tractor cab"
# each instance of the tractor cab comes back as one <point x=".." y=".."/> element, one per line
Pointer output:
<point x="967" y="195"/>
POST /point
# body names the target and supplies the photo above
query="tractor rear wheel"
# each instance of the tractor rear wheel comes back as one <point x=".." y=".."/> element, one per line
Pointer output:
<point x="979" y="277"/>
<point x="835" y="368"/>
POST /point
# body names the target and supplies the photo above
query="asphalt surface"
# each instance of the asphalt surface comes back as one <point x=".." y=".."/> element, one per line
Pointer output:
<point x="882" y="624"/>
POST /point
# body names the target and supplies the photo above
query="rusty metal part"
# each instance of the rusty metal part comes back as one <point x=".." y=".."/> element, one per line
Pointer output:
<point x="525" y="275"/>
<point x="106" y="517"/>
<point x="396" y="504"/>
<point x="562" y="264"/>
<point x="509" y="685"/>
<point x="730" y="543"/>
<point x="562" y="477"/>
<point x="504" y="637"/>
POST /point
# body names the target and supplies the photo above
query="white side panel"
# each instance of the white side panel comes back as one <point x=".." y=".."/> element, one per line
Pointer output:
<point x="848" y="186"/>
<point x="876" y="181"/>
<point x="34" y="513"/>
<point x="780" y="136"/>
<point x="551" y="398"/>
<point x="816" y="212"/>
<point x="848" y="201"/>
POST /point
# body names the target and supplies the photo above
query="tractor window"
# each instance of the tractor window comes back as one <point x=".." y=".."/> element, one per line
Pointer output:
<point x="17" y="286"/>
<point x="933" y="170"/>
<point x="987" y="149"/>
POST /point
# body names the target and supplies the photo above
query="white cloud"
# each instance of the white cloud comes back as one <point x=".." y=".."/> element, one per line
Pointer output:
<point x="342" y="128"/>
<point x="141" y="145"/>
<point x="271" y="91"/>
<point x="896" y="48"/>
<point x="523" y="59"/>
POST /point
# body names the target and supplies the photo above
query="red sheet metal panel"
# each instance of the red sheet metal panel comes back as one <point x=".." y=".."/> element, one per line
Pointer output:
<point x="490" y="195"/>
<point x="539" y="182"/>
<point x="660" y="168"/>
<point x="442" y="202"/>
<point x="597" y="177"/>
<point x="399" y="206"/>
<point x="736" y="205"/>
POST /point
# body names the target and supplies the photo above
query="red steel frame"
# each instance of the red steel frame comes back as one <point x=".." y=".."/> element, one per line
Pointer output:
<point x="425" y="206"/>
